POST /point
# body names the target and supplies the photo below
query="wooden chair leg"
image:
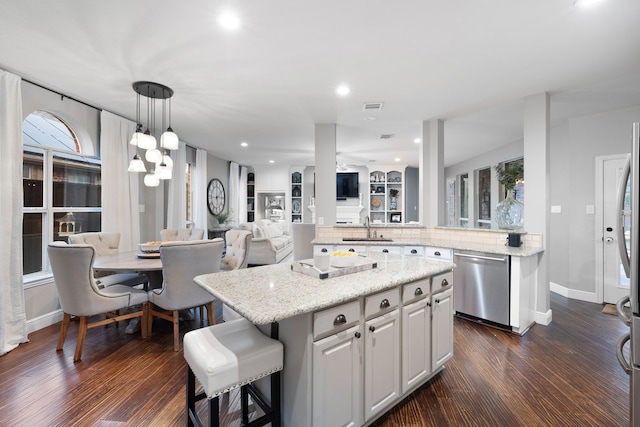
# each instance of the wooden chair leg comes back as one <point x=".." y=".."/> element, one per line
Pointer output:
<point x="201" y="315"/>
<point x="176" y="330"/>
<point x="150" y="309"/>
<point x="82" y="333"/>
<point x="63" y="331"/>
<point x="145" y="318"/>
<point x="211" y="315"/>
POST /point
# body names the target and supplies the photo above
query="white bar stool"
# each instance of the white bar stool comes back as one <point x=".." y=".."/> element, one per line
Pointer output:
<point x="229" y="355"/>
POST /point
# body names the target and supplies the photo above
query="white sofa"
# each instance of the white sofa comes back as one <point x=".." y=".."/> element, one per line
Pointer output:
<point x="269" y="244"/>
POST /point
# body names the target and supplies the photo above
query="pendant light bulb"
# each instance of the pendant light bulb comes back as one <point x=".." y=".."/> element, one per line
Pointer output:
<point x="137" y="165"/>
<point x="151" y="180"/>
<point x="153" y="156"/>
<point x="148" y="141"/>
<point x="169" y="140"/>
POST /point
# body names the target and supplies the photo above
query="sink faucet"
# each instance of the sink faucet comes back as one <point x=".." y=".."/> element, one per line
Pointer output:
<point x="368" y="225"/>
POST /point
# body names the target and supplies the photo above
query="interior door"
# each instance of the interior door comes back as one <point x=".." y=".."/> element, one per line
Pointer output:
<point x="616" y="283"/>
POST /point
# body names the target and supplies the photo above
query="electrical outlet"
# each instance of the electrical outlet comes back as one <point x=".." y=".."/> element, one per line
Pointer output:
<point x="320" y="220"/>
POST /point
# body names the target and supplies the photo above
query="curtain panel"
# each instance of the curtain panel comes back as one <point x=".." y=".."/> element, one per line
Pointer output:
<point x="177" y="198"/>
<point x="200" y="216"/>
<point x="120" y="188"/>
<point x="13" y="320"/>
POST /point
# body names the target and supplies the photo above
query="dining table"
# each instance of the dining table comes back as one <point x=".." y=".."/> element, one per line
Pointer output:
<point x="133" y="261"/>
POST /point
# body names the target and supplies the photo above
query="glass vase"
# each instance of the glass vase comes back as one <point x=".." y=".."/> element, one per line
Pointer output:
<point x="510" y="213"/>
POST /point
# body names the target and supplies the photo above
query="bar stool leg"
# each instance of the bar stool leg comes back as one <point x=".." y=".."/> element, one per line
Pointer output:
<point x="214" y="409"/>
<point x="244" y="404"/>
<point x="275" y="400"/>
<point x="191" y="396"/>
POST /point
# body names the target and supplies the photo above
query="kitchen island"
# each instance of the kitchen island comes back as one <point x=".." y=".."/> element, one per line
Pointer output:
<point x="355" y="345"/>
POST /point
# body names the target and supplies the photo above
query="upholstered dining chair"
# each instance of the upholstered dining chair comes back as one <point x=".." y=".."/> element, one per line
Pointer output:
<point x="106" y="243"/>
<point x="181" y="262"/>
<point x="237" y="249"/>
<point x="181" y="234"/>
<point x="80" y="296"/>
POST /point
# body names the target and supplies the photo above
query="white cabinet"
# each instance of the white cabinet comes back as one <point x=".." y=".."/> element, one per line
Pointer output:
<point x="416" y="334"/>
<point x="337" y="366"/>
<point x="442" y="327"/>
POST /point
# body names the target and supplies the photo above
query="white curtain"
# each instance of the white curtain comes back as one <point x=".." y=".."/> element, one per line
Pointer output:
<point x="177" y="201"/>
<point x="120" y="211"/>
<point x="199" y="205"/>
<point x="242" y="195"/>
<point x="13" y="319"/>
<point x="234" y="197"/>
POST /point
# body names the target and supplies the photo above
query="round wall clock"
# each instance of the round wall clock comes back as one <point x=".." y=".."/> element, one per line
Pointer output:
<point x="215" y="196"/>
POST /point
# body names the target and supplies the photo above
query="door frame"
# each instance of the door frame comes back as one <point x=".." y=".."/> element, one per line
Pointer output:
<point x="599" y="237"/>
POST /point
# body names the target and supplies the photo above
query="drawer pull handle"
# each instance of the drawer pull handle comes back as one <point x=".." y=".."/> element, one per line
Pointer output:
<point x="437" y="301"/>
<point x="324" y="250"/>
<point x="445" y="283"/>
<point x="428" y="304"/>
<point x="418" y="291"/>
<point x="414" y="251"/>
<point x="340" y="320"/>
<point x="385" y="251"/>
<point x="385" y="303"/>
<point x="372" y="328"/>
<point x="351" y="250"/>
<point x="437" y="253"/>
<point x="357" y="335"/>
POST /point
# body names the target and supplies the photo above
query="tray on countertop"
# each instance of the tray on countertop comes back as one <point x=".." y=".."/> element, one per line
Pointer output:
<point x="306" y="266"/>
<point x="148" y="255"/>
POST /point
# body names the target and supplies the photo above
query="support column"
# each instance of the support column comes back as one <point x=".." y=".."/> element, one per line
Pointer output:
<point x="536" y="178"/>
<point x="431" y="195"/>
<point x="325" y="166"/>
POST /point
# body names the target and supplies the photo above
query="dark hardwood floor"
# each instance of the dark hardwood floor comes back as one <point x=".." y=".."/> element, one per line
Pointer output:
<point x="564" y="374"/>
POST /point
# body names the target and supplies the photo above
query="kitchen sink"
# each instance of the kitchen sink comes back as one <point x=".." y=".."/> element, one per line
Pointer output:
<point x="364" y="239"/>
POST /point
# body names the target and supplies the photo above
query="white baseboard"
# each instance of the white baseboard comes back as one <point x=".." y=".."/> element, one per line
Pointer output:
<point x="572" y="293"/>
<point x="44" y="321"/>
<point x="544" y="318"/>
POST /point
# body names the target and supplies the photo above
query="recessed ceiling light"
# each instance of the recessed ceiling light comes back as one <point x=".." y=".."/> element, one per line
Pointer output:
<point x="370" y="118"/>
<point x="229" y="21"/>
<point x="417" y="140"/>
<point x="397" y="159"/>
<point x="585" y="3"/>
<point x="343" y="90"/>
<point x="272" y="161"/>
<point x="243" y="144"/>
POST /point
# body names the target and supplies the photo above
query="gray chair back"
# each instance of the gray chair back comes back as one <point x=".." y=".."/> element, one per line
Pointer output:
<point x="181" y="234"/>
<point x="105" y="242"/>
<point x="237" y="252"/>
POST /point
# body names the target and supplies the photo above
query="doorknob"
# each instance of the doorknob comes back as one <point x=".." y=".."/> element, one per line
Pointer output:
<point x="608" y="240"/>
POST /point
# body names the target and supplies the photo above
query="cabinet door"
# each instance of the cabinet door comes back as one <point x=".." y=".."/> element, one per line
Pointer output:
<point x="442" y="331"/>
<point x="416" y="343"/>
<point x="337" y="379"/>
<point x="381" y="363"/>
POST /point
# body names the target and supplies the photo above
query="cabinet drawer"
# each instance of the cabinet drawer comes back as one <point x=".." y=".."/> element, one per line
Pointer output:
<point x="386" y="249"/>
<point x="414" y="251"/>
<point x="317" y="249"/>
<point x="336" y="319"/>
<point x="381" y="303"/>
<point x="441" y="281"/>
<point x="415" y="290"/>
<point x="439" y="253"/>
<point x="351" y="248"/>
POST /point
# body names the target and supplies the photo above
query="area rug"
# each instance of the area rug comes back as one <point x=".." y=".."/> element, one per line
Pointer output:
<point x="610" y="309"/>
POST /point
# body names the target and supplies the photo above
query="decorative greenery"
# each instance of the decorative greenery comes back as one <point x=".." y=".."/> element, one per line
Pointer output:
<point x="393" y="192"/>
<point x="509" y="177"/>
<point x="222" y="217"/>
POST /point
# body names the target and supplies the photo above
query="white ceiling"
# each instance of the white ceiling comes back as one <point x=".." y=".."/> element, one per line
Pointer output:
<point x="469" y="63"/>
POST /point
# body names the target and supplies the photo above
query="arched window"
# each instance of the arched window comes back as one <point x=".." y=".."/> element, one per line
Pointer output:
<point x="62" y="188"/>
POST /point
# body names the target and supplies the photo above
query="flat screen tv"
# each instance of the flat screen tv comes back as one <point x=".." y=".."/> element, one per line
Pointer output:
<point x="346" y="185"/>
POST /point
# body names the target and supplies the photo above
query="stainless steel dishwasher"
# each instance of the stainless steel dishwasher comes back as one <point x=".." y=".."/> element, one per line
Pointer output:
<point x="482" y="286"/>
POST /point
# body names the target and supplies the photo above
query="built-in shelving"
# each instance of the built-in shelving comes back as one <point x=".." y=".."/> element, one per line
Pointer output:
<point x="386" y="196"/>
<point x="251" y="196"/>
<point x="297" y="206"/>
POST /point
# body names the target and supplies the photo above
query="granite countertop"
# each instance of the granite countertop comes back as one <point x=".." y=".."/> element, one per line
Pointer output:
<point x="273" y="292"/>
<point x="456" y="245"/>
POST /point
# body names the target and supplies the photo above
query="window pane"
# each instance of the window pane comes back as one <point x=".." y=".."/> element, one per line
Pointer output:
<point x="484" y="198"/>
<point x="32" y="177"/>
<point x="32" y="243"/>
<point x="76" y="183"/>
<point x="66" y="224"/>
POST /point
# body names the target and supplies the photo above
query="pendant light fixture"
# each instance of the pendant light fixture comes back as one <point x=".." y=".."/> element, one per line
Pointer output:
<point x="147" y="141"/>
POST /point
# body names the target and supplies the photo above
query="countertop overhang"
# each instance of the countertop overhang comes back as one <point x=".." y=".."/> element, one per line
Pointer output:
<point x="272" y="293"/>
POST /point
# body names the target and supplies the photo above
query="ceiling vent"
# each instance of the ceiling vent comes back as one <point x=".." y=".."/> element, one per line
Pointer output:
<point x="372" y="106"/>
<point x="386" y="136"/>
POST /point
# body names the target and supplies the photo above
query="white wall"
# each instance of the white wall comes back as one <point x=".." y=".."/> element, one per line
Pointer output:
<point x="574" y="147"/>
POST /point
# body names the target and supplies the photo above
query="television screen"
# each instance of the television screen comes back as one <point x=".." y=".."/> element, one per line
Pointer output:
<point x="346" y="185"/>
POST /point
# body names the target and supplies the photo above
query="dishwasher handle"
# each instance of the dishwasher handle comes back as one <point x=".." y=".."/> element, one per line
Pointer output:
<point x="487" y="258"/>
